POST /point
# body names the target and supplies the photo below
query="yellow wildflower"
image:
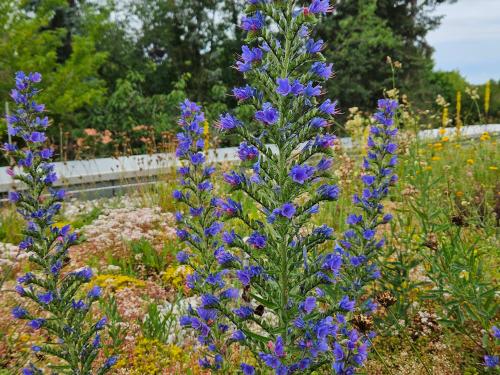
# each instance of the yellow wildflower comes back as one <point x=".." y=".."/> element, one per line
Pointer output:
<point x="487" y="95"/>
<point x="459" y="193"/>
<point x="464" y="275"/>
<point x="470" y="161"/>
<point x="445" y="139"/>
<point x="176" y="276"/>
<point x="117" y="282"/>
<point x="442" y="131"/>
<point x="493" y="168"/>
<point x="206" y="134"/>
<point x="485" y="137"/>
<point x="436" y="158"/>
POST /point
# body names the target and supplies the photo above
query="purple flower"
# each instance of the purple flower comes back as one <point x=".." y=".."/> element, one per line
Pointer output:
<point x="368" y="180"/>
<point x="323" y="230"/>
<point x="268" y="115"/>
<point x="247" y="152"/>
<point x="324" y="164"/>
<point x="36" y="323"/>
<point x="284" y="87"/>
<point x="19" y="313"/>
<point x="257" y="240"/>
<point x="254" y="23"/>
<point x="491" y="361"/>
<point x="309" y="305"/>
<point x="495" y="331"/>
<point x="238" y="335"/>
<point x="270" y="360"/>
<point x="330" y="192"/>
<point x="228" y="237"/>
<point x="35" y="77"/>
<point x="231" y="293"/>
<point x="243" y="312"/>
<point x="46" y="153"/>
<point x="14" y="196"/>
<point x="177" y="195"/>
<point x="222" y="256"/>
<point x="322" y="70"/>
<point x="78" y="305"/>
<point x="354" y="219"/>
<point x="101" y="323"/>
<point x="288" y="210"/>
<point x="209" y="300"/>
<point x="243" y="93"/>
<point x="247" y="369"/>
<point x="110" y="362"/>
<point x="244" y="276"/>
<point x="338" y="352"/>
<point x="314" y="46"/>
<point x="228" y="122"/>
<point x="95" y="292"/>
<point x="311" y="90"/>
<point x="328" y="107"/>
<point x="368" y="234"/>
<point x="213" y="229"/>
<point x="198" y="158"/>
<point x="320" y="6"/>
<point x="37" y="137"/>
<point x="85" y="274"/>
<point x="182" y="257"/>
<point x="346" y="304"/>
<point x="46" y="298"/>
<point x="233" y="178"/>
<point x="250" y="55"/>
<point x="301" y="173"/>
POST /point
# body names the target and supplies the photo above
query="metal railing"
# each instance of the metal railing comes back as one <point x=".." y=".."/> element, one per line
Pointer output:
<point x="108" y="175"/>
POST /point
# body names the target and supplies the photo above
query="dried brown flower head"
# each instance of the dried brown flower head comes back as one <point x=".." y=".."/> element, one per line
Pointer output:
<point x="386" y="299"/>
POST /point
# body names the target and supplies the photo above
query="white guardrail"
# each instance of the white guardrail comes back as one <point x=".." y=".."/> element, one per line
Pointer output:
<point x="113" y="173"/>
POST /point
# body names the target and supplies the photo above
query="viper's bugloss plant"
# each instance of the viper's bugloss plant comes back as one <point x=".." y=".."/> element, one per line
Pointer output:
<point x="199" y="228"/>
<point x="56" y="300"/>
<point x="297" y="308"/>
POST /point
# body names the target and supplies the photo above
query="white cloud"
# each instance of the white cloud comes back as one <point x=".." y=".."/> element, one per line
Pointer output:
<point x="469" y="39"/>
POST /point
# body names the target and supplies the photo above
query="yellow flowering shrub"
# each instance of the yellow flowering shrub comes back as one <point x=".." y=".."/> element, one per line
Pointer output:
<point x="176" y="275"/>
<point x="150" y="355"/>
<point x="117" y="282"/>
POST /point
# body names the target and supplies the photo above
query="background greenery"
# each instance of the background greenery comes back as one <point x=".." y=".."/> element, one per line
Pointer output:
<point x="123" y="66"/>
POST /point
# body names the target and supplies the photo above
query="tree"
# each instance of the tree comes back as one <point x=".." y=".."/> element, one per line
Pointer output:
<point x="364" y="32"/>
<point x="361" y="42"/>
<point x="34" y="38"/>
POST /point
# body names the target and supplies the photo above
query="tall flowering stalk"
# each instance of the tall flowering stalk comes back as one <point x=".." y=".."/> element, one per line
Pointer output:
<point x="55" y="300"/>
<point x="198" y="228"/>
<point x="295" y="305"/>
<point x="359" y="243"/>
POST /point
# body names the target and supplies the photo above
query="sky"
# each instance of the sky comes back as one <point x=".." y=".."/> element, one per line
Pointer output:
<point x="468" y="39"/>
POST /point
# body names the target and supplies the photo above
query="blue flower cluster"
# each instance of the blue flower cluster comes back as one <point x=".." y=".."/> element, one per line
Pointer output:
<point x="359" y="242"/>
<point x="199" y="228"/>
<point x="288" y="302"/>
<point x="58" y="303"/>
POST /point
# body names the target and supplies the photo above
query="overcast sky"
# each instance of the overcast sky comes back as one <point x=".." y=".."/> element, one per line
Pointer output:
<point x="469" y="39"/>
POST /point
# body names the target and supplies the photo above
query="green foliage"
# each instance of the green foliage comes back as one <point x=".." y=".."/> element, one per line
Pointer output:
<point x="33" y="42"/>
<point x="143" y="259"/>
<point x="86" y="218"/>
<point x="361" y="41"/>
<point x="11" y="226"/>
<point x="115" y="330"/>
<point x="158" y="324"/>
